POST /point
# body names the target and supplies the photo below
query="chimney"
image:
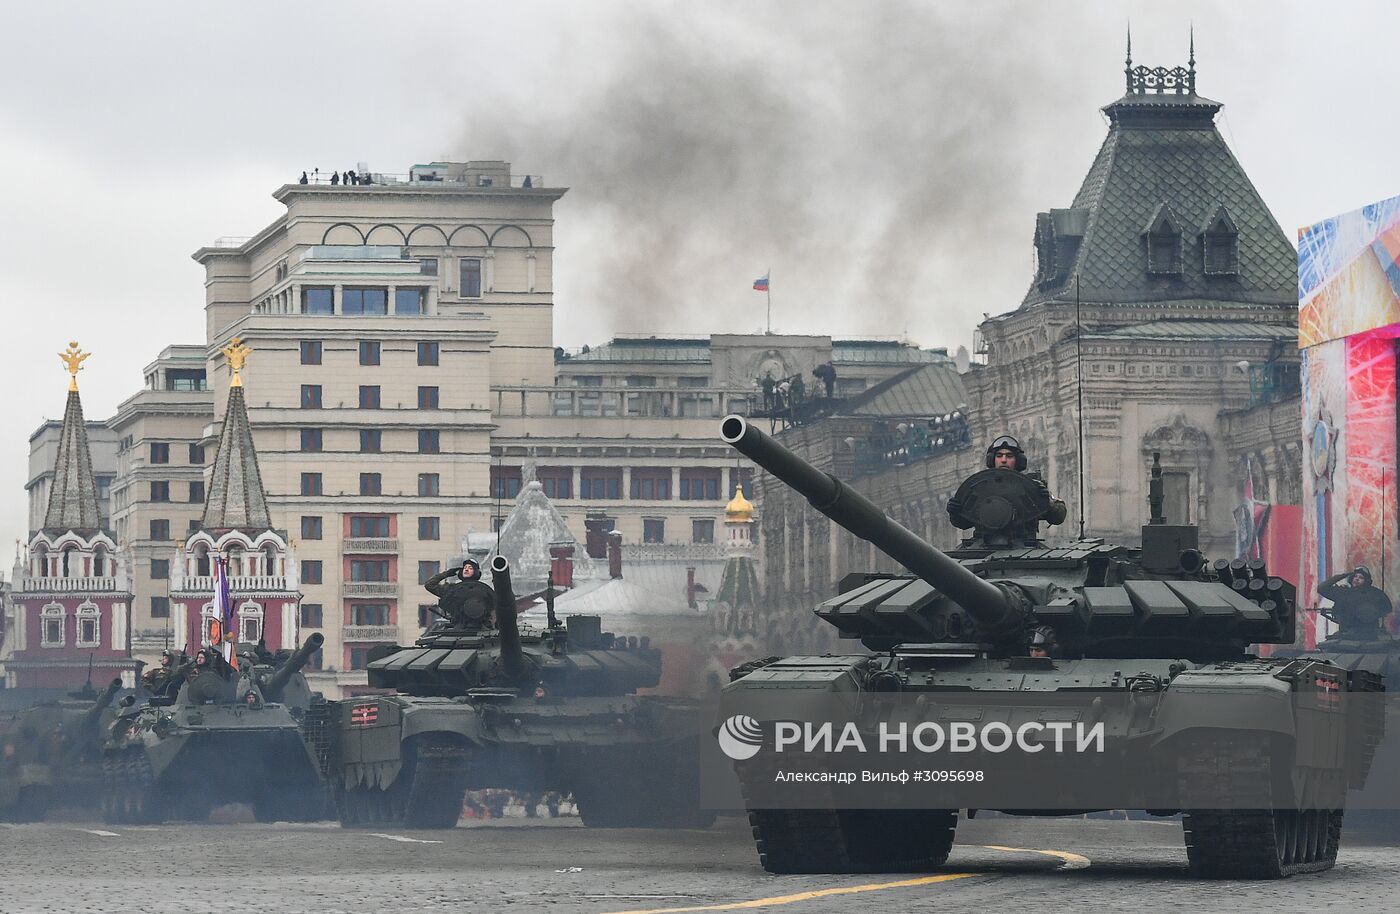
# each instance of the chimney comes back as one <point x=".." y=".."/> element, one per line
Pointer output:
<point x="561" y="564"/>
<point x="690" y="587"/>
<point x="614" y="555"/>
<point x="595" y="525"/>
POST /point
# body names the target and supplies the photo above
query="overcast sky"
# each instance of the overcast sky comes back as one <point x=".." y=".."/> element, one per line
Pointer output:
<point x="885" y="160"/>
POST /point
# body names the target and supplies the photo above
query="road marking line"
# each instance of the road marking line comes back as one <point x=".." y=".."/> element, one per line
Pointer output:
<point x="403" y="838"/>
<point x="1069" y="861"/>
<point x="98" y="832"/>
<point x="806" y="896"/>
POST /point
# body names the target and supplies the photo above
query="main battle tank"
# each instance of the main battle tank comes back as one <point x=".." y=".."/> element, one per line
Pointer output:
<point x="1152" y="642"/>
<point x="51" y="754"/>
<point x="226" y="736"/>
<point x="484" y="703"/>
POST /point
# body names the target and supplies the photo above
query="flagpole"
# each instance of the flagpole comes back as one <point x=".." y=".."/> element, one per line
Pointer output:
<point x="768" y="298"/>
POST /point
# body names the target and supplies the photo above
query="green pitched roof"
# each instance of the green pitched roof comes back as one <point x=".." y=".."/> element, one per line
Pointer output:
<point x="1163" y="156"/>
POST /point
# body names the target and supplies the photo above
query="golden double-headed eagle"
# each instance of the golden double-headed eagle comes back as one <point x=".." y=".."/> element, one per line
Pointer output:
<point x="237" y="353"/>
<point x="73" y="359"/>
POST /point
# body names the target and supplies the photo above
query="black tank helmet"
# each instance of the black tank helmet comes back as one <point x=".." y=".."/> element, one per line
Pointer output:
<point x="1006" y="443"/>
<point x="475" y="570"/>
<point x="1365" y="573"/>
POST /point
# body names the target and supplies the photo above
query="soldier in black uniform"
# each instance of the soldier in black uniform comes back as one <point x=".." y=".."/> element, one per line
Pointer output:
<point x="1357" y="605"/>
<point x="1005" y="454"/>
<point x="468" y="602"/>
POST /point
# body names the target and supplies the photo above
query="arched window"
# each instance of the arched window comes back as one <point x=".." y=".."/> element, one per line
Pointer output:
<point x="52" y="624"/>
<point x="201" y="561"/>
<point x="250" y="623"/>
<point x="40" y="567"/>
<point x="235" y="561"/>
<point x="70" y="562"/>
<point x="1220" y="245"/>
<point x="99" y="562"/>
<point x="269" y="555"/>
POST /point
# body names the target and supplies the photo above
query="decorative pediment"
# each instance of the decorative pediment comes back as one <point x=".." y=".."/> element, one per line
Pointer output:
<point x="1177" y="436"/>
<point x="1220" y="223"/>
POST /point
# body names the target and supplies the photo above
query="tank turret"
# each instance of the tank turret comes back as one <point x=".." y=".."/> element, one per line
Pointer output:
<point x="272" y="687"/>
<point x="1163" y="599"/>
<point x="104" y="700"/>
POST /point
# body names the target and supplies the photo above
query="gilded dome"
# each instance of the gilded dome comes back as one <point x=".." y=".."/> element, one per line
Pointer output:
<point x="739" y="509"/>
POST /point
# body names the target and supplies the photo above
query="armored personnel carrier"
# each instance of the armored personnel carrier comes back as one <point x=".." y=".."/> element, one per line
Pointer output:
<point x="1150" y="642"/>
<point x="51" y="754"/>
<point x="480" y="702"/>
<point x="226" y="736"/>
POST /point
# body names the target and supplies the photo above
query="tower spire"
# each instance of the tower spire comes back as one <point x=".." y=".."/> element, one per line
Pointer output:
<point x="73" y="496"/>
<point x="1191" y="63"/>
<point x="1128" y="60"/>
<point x="236" y="497"/>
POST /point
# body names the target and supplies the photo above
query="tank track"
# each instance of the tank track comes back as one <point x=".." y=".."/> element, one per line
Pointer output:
<point x="129" y="793"/>
<point x="846" y="840"/>
<point x="654" y="788"/>
<point x="427" y="794"/>
<point x="1248" y="843"/>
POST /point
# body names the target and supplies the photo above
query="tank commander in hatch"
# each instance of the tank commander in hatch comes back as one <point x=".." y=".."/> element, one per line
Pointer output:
<point x="1005" y="454"/>
<point x="468" y="601"/>
<point x="1358" y="606"/>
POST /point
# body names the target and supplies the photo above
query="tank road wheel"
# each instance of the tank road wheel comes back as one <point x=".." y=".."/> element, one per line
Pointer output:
<point x="1248" y="843"/>
<point x="659" y="788"/>
<point x="32" y="804"/>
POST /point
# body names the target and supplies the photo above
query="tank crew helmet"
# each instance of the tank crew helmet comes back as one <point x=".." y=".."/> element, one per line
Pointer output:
<point x="471" y="570"/>
<point x="1364" y="572"/>
<point x="1006" y="443"/>
<point x="1042" y="641"/>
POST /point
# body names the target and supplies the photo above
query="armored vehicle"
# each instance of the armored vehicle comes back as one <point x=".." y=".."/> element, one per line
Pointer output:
<point x="1152" y="642"/>
<point x="481" y="702"/>
<point x="51" y="754"/>
<point x="225" y="736"/>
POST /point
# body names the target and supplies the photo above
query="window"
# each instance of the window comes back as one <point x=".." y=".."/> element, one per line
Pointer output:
<point x="317" y="300"/>
<point x="193" y="526"/>
<point x="702" y="530"/>
<point x="428" y="484"/>
<point x="310" y="528"/>
<point x="369" y="353"/>
<point x="558" y="482"/>
<point x="599" y="483"/>
<point x="369" y="614"/>
<point x="505" y="482"/>
<point x="311" y="352"/>
<point x="371" y="440"/>
<point x="53" y="618"/>
<point x="650" y="484"/>
<point x="160" y="452"/>
<point x="364" y="301"/>
<point x="197" y="492"/>
<point x="160" y="491"/>
<point x="426" y="570"/>
<point x="310" y="571"/>
<point x="426" y="616"/>
<point x="160" y="569"/>
<point x="369" y="396"/>
<point x="743" y="477"/>
<point x="160" y="529"/>
<point x="471" y="277"/>
<point x="369" y="484"/>
<point x="160" y="607"/>
<point x="1176" y="491"/>
<point x="693" y="382"/>
<point x="311" y="483"/>
<point x="371" y="525"/>
<point x="428" y="266"/>
<point x="250" y="624"/>
<point x="641" y="380"/>
<point x="427" y="398"/>
<point x="359" y="657"/>
<point x="310" y="440"/>
<point x="429" y="441"/>
<point x="1164" y="254"/>
<point x="653" y="530"/>
<point x="376" y="570"/>
<point x="700" y="485"/>
<point x="427" y="353"/>
<point x="186" y="379"/>
<point x="311" y="615"/>
<point x="408" y="301"/>
<point x="88" y="617"/>
<point x="429" y="528"/>
<point x="197" y="455"/>
<point x="311" y="396"/>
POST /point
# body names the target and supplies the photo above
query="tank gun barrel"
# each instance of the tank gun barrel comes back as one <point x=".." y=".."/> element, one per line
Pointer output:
<point x="103" y="700"/>
<point x="507" y="619"/>
<point x="990" y="605"/>
<point x="275" y="683"/>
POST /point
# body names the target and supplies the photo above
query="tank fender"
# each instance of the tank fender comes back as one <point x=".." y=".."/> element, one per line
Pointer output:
<point x="1199" y="700"/>
<point x="462" y="720"/>
<point x="369" y="740"/>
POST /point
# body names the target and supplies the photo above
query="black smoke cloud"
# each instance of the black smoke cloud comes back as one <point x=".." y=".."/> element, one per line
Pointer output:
<point x="885" y="160"/>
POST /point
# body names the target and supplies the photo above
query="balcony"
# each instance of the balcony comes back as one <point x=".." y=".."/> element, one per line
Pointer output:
<point x="369" y="633"/>
<point x="370" y="544"/>
<point x="370" y="589"/>
<point x="258" y="583"/>
<point x="66" y="585"/>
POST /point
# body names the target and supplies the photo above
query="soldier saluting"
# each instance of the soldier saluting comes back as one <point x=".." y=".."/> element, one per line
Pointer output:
<point x="467" y="602"/>
<point x="1358" y="606"/>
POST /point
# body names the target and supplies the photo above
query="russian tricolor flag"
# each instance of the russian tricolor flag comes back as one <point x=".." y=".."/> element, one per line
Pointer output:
<point x="761" y="284"/>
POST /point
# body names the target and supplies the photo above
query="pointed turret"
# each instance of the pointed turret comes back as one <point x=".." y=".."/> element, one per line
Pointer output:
<point x="236" y="498"/>
<point x="73" y="498"/>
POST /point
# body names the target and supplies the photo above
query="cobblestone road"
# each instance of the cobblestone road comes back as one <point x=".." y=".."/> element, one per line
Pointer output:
<point x="1098" y="865"/>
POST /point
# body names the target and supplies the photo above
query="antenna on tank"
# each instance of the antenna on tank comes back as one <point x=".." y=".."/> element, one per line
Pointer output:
<point x="1079" y="370"/>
